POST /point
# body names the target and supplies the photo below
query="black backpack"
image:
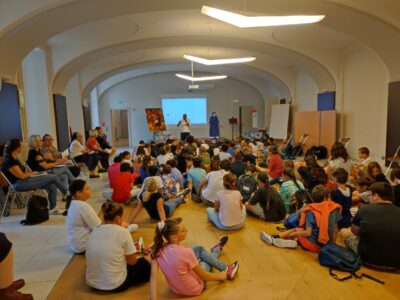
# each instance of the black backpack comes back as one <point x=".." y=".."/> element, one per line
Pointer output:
<point x="37" y="211"/>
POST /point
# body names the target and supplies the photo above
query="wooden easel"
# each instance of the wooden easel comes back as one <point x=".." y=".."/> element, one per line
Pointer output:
<point x="158" y="135"/>
<point x="395" y="158"/>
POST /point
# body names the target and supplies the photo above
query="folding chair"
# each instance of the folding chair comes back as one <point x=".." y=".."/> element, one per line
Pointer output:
<point x="12" y="194"/>
<point x="283" y="146"/>
<point x="394" y="159"/>
<point x="345" y="141"/>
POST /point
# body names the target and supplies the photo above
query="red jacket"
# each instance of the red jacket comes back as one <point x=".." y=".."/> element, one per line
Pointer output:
<point x="321" y="212"/>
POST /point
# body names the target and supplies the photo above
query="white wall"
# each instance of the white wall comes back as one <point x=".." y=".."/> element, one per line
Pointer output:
<point x="306" y="93"/>
<point x="74" y="105"/>
<point x="38" y="102"/>
<point x="364" y="103"/>
<point x="145" y="92"/>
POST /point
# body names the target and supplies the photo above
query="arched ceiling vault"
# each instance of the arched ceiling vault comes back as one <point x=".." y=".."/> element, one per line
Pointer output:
<point x="89" y="36"/>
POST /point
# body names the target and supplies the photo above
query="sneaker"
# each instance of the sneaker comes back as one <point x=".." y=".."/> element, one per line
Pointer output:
<point x="265" y="237"/>
<point x="183" y="193"/>
<point x="130" y="201"/>
<point x="283" y="243"/>
<point x="232" y="270"/>
<point x="65" y="213"/>
<point x="147" y="250"/>
<point x="132" y="227"/>
<point x="139" y="244"/>
<point x="54" y="211"/>
<point x="102" y="170"/>
<point x="221" y="243"/>
<point x="94" y="176"/>
<point x="18" y="284"/>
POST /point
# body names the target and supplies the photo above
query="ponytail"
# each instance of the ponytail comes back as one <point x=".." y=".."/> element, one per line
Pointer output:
<point x="164" y="231"/>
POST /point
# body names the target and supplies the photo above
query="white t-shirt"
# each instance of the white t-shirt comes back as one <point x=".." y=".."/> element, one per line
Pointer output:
<point x="76" y="148"/>
<point x="340" y="163"/>
<point x="161" y="159"/>
<point x="214" y="185"/>
<point x="105" y="256"/>
<point x="230" y="212"/>
<point x="185" y="124"/>
<point x="80" y="221"/>
<point x="224" y="155"/>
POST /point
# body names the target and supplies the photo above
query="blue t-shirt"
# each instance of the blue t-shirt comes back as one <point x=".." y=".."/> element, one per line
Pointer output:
<point x="195" y="175"/>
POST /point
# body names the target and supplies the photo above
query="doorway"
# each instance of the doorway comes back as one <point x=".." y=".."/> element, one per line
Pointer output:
<point x="120" y="127"/>
<point x="245" y="119"/>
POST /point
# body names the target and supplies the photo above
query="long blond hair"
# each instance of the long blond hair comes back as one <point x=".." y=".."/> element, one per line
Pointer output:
<point x="150" y="186"/>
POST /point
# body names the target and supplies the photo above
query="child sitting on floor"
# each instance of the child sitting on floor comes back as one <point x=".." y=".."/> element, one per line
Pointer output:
<point x="112" y="265"/>
<point x="229" y="213"/>
<point x="152" y="200"/>
<point x="185" y="269"/>
<point x="343" y="196"/>
<point x="123" y="189"/>
<point x="318" y="224"/>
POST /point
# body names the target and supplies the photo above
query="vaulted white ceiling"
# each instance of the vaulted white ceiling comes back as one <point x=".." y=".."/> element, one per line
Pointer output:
<point x="108" y="41"/>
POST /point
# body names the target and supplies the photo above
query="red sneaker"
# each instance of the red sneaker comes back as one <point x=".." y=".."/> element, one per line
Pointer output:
<point x="232" y="270"/>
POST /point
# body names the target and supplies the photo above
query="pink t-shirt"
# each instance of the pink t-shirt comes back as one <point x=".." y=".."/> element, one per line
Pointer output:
<point x="177" y="263"/>
<point x="230" y="212"/>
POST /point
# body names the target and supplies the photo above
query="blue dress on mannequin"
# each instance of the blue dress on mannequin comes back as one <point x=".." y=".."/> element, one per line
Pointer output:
<point x="214" y="126"/>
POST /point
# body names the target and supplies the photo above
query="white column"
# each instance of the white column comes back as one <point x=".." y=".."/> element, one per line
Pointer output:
<point x="38" y="101"/>
<point x="94" y="108"/>
<point x="74" y="105"/>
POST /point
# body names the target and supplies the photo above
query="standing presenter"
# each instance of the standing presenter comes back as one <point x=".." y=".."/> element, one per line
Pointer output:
<point x="185" y="127"/>
<point x="214" y="125"/>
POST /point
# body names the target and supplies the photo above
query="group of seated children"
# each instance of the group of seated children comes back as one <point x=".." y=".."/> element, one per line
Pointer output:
<point x="318" y="200"/>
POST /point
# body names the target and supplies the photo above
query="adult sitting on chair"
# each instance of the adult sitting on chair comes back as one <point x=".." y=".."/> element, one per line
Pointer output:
<point x="37" y="162"/>
<point x="94" y="146"/>
<point x="22" y="180"/>
<point x="80" y="154"/>
<point x="102" y="140"/>
<point x="50" y="152"/>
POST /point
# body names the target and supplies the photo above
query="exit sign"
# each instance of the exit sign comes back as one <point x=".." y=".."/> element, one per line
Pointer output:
<point x="120" y="102"/>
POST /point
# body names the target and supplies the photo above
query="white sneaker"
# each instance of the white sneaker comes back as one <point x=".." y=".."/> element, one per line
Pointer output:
<point x="139" y="245"/>
<point x="283" y="243"/>
<point x="132" y="227"/>
<point x="266" y="237"/>
<point x="54" y="211"/>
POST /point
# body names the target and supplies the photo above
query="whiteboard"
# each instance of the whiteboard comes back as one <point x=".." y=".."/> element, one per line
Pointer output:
<point x="279" y="125"/>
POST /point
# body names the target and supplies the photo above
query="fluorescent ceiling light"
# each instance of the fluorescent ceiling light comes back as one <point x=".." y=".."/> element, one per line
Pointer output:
<point x="223" y="61"/>
<point x="202" y="78"/>
<point x="259" y="21"/>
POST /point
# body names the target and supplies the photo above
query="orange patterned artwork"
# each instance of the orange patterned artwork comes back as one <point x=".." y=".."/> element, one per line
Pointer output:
<point x="155" y="119"/>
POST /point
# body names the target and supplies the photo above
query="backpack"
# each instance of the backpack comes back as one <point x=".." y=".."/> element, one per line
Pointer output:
<point x="37" y="211"/>
<point x="292" y="221"/>
<point x="247" y="185"/>
<point x="337" y="257"/>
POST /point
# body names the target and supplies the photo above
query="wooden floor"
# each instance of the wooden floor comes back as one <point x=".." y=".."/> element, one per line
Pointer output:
<point x="265" y="272"/>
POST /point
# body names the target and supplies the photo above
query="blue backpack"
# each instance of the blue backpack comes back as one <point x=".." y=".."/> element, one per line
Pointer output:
<point x="336" y="257"/>
<point x="292" y="221"/>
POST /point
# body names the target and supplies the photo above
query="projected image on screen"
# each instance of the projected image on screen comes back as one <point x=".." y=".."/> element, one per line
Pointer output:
<point x="195" y="108"/>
